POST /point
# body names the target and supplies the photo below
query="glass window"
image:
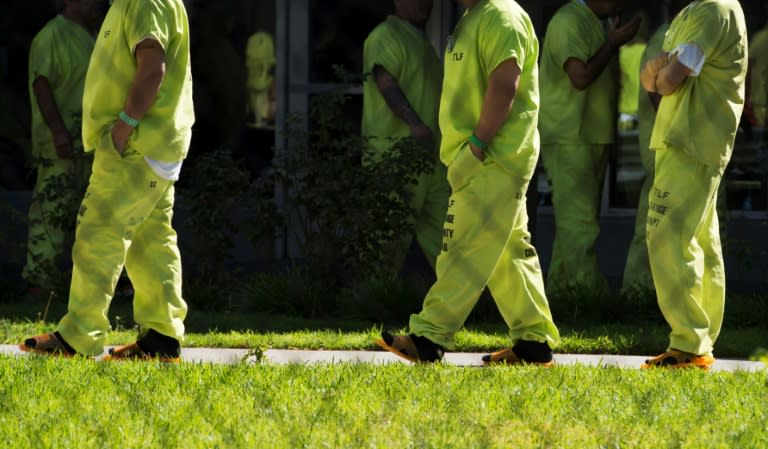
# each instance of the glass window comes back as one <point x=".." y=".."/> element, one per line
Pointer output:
<point x="338" y="29"/>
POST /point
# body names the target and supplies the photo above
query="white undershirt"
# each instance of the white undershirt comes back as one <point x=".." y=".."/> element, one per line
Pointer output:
<point x="691" y="56"/>
<point x="167" y="170"/>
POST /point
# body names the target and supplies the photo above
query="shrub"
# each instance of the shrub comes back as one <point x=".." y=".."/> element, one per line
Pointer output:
<point x="215" y="195"/>
<point x="339" y="210"/>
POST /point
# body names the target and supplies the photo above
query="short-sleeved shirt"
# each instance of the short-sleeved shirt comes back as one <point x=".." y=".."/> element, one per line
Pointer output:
<point x="492" y="32"/>
<point x="646" y="113"/>
<point x="406" y="53"/>
<point x="758" y="53"/>
<point x="60" y="52"/>
<point x="701" y="117"/>
<point x="569" y="115"/>
<point x="165" y="131"/>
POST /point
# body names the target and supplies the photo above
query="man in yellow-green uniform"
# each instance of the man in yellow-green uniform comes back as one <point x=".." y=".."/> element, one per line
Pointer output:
<point x="490" y="144"/>
<point x="138" y="117"/>
<point x="58" y="61"/>
<point x="579" y="83"/>
<point x="400" y="99"/>
<point x="701" y="76"/>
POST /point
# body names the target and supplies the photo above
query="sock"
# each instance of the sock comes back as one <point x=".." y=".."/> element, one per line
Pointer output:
<point x="533" y="351"/>
<point x="157" y="344"/>
<point x="428" y="350"/>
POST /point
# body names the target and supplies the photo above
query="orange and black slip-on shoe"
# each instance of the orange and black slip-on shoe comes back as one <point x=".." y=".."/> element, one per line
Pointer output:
<point x="674" y="359"/>
<point x="411" y="347"/>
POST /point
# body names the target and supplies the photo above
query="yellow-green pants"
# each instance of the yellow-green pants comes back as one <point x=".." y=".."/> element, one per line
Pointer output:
<point x="576" y="173"/>
<point x="430" y="197"/>
<point x="58" y="191"/>
<point x="486" y="242"/>
<point x="637" y="271"/>
<point x="684" y="250"/>
<point x="125" y="219"/>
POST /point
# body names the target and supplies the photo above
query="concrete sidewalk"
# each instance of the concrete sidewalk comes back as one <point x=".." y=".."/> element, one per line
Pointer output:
<point x="287" y="356"/>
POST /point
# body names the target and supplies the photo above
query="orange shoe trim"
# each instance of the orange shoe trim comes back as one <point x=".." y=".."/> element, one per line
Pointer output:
<point x="132" y="352"/>
<point x="46" y="344"/>
<point x="689" y="360"/>
<point x="508" y="357"/>
<point x="394" y="350"/>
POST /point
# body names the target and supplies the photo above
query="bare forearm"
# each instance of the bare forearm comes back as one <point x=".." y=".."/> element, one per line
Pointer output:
<point x="150" y="61"/>
<point x="497" y="103"/>
<point x="144" y="89"/>
<point x="648" y="78"/>
<point x="582" y="74"/>
<point x="47" y="104"/>
<point x="395" y="97"/>
<point x="650" y="73"/>
<point x="668" y="81"/>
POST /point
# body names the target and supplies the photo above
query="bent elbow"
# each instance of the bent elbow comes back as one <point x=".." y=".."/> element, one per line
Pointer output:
<point x="579" y="82"/>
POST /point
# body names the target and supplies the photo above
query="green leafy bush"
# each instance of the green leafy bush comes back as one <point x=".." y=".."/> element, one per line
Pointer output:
<point x="339" y="210"/>
<point x="216" y="192"/>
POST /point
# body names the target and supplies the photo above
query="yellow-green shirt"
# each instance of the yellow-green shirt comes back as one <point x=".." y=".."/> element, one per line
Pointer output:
<point x="406" y="53"/>
<point x="630" y="56"/>
<point x="165" y="131"/>
<point x="646" y="113"/>
<point x="489" y="34"/>
<point x="701" y="117"/>
<point x="60" y="52"/>
<point x="758" y="54"/>
<point x="569" y="115"/>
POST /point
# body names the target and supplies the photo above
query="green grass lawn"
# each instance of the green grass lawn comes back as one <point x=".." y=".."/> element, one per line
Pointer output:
<point x="258" y="330"/>
<point x="79" y="403"/>
<point x="54" y="403"/>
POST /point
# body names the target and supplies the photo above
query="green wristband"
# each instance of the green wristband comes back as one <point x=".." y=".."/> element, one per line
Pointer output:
<point x="130" y="121"/>
<point x="477" y="142"/>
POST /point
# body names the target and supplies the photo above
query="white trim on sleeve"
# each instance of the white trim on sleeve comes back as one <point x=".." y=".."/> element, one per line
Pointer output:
<point x="691" y="56"/>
